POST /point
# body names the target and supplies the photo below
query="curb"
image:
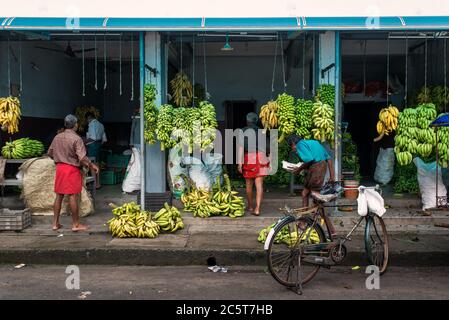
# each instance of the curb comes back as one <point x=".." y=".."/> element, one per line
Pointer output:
<point x="185" y="257"/>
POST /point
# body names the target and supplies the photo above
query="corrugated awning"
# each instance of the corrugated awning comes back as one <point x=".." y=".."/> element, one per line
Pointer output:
<point x="60" y="24"/>
<point x="153" y="24"/>
<point x="252" y="23"/>
<point x="352" y="23"/>
<point x="186" y="24"/>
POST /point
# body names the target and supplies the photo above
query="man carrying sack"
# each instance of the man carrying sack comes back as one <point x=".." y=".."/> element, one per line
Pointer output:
<point x="69" y="153"/>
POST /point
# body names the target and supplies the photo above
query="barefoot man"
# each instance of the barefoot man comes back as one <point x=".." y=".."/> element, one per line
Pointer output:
<point x="69" y="153"/>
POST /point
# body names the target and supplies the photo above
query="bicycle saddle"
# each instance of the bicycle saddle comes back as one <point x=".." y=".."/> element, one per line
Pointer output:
<point x="323" y="198"/>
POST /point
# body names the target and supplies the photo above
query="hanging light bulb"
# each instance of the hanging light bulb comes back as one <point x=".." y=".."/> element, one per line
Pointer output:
<point x="227" y="46"/>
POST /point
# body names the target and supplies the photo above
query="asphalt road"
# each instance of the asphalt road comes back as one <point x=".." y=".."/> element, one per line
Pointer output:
<point x="109" y="282"/>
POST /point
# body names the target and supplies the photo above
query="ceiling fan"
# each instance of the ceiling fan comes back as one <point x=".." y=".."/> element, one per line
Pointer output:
<point x="68" y="50"/>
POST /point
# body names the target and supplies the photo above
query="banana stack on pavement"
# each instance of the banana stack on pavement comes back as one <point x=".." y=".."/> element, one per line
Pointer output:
<point x="169" y="219"/>
<point x="131" y="222"/>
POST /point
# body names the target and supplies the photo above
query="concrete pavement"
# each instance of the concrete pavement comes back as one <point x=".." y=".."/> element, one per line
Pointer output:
<point x="187" y="283"/>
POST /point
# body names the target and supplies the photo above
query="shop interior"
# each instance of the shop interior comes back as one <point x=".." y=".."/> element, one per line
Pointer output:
<point x="412" y="61"/>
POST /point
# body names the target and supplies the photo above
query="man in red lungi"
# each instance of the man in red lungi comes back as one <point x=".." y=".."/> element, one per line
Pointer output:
<point x="69" y="153"/>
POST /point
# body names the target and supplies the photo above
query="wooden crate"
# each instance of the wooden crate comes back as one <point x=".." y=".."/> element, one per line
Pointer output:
<point x="14" y="220"/>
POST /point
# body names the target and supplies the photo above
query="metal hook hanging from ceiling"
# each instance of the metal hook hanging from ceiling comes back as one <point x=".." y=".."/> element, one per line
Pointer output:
<point x="105" y="61"/>
<point x="120" y="65"/>
<point x="283" y="65"/>
<point x="132" y="69"/>
<point x="20" y="67"/>
<point x="205" y="70"/>
<point x="9" y="67"/>
<point x="388" y="69"/>
<point x="406" y="70"/>
<point x="303" y="64"/>
<point x="96" y="63"/>
<point x="83" y="66"/>
<point x="425" y="67"/>
<point x="193" y="71"/>
<point x="274" y="68"/>
<point x="445" y="74"/>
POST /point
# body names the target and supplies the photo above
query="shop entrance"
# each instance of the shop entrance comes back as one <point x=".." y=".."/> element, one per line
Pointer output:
<point x="236" y="111"/>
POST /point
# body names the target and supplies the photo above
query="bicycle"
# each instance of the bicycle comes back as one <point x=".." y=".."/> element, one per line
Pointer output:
<point x="297" y="246"/>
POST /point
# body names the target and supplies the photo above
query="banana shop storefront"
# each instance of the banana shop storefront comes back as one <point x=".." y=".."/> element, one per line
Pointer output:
<point x="298" y="46"/>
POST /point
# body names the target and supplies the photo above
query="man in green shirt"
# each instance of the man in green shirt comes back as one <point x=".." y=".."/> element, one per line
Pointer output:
<point x="316" y="160"/>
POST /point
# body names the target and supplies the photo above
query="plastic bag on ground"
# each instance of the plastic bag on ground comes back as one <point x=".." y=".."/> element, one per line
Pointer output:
<point x="131" y="182"/>
<point x="176" y="169"/>
<point x="198" y="173"/>
<point x="213" y="164"/>
<point x="384" y="166"/>
<point x="427" y="183"/>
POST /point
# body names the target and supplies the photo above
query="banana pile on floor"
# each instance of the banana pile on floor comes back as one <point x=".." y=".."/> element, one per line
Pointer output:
<point x="10" y="114"/>
<point x="415" y="137"/>
<point x="182" y="90"/>
<point x="286" y="115"/>
<point x="269" y="115"/>
<point x="289" y="238"/>
<point x="388" y="121"/>
<point x="203" y="204"/>
<point x="150" y="113"/>
<point x="131" y="222"/>
<point x="24" y="148"/>
<point x="304" y="112"/>
<point x="169" y="219"/>
<point x="323" y="122"/>
<point x="80" y="113"/>
<point x="326" y="94"/>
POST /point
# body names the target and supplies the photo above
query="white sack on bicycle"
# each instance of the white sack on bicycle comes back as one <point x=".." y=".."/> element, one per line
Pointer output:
<point x="362" y="207"/>
<point x="370" y="200"/>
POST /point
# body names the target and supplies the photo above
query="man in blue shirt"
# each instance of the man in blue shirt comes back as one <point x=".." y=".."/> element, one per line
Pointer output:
<point x="316" y="159"/>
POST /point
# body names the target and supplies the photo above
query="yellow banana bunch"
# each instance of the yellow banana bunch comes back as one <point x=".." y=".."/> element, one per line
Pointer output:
<point x="182" y="90"/>
<point x="131" y="222"/>
<point x="323" y="122"/>
<point x="80" y="113"/>
<point x="388" y="121"/>
<point x="268" y="115"/>
<point x="169" y="219"/>
<point x="204" y="203"/>
<point x="10" y="114"/>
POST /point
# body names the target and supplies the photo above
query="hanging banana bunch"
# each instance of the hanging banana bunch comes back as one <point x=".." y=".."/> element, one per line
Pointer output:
<point x="268" y="115"/>
<point x="182" y="90"/>
<point x="388" y="121"/>
<point x="10" y="114"/>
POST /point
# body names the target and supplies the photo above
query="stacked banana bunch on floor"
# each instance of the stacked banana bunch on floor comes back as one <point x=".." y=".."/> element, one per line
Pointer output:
<point x="169" y="219"/>
<point x="24" y="148"/>
<point x="269" y="115"/>
<point x="131" y="222"/>
<point x="150" y="112"/>
<point x="10" y="114"/>
<point x="182" y="90"/>
<point x="304" y="112"/>
<point x="388" y="121"/>
<point x="323" y="122"/>
<point x="286" y="115"/>
<point x="203" y="203"/>
<point x="289" y="238"/>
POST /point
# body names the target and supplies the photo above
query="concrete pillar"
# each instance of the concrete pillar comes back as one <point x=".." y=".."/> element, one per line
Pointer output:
<point x="326" y="57"/>
<point x="155" y="167"/>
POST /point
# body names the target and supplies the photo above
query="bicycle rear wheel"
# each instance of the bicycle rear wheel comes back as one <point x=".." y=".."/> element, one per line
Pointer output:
<point x="284" y="249"/>
<point x="376" y="242"/>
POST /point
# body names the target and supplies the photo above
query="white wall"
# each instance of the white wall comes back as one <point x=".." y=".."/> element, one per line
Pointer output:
<point x="246" y="78"/>
<point x="51" y="92"/>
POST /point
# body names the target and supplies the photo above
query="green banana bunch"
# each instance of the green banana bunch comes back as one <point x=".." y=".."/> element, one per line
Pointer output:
<point x="286" y="115"/>
<point x="209" y="124"/>
<point x="23" y="148"/>
<point x="290" y="238"/>
<point x="443" y="146"/>
<point x="304" y="112"/>
<point x="326" y="94"/>
<point x="323" y="122"/>
<point x="182" y="90"/>
<point x="150" y="113"/>
<point x="165" y="127"/>
<point x="169" y="219"/>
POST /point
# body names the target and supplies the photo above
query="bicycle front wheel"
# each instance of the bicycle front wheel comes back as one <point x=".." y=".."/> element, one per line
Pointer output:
<point x="285" y="247"/>
<point x="376" y="242"/>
